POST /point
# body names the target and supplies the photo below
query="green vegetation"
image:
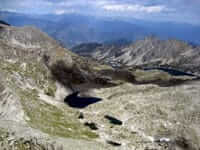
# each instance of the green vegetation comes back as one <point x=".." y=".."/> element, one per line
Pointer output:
<point x="101" y="67"/>
<point x="151" y="75"/>
<point x="43" y="116"/>
<point x="52" y="120"/>
<point x="3" y="133"/>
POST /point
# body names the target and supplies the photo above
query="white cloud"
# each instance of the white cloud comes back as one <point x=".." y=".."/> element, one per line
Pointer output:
<point x="134" y="8"/>
<point x="59" y="12"/>
<point x="66" y="4"/>
<point x="10" y="10"/>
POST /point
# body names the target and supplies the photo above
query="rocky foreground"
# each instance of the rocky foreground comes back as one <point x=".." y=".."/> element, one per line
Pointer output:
<point x="123" y="109"/>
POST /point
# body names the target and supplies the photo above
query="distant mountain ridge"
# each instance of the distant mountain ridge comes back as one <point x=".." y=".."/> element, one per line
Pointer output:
<point x="73" y="29"/>
<point x="150" y="52"/>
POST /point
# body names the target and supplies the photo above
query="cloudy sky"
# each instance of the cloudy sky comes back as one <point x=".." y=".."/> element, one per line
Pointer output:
<point x="187" y="11"/>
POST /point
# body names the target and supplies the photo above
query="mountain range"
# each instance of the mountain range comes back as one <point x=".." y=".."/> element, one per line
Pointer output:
<point x="149" y="52"/>
<point x="73" y="29"/>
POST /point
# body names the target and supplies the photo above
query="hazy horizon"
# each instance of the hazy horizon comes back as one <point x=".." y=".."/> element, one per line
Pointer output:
<point x="177" y="11"/>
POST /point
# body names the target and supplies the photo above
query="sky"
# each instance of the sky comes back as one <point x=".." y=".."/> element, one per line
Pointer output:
<point x="184" y="11"/>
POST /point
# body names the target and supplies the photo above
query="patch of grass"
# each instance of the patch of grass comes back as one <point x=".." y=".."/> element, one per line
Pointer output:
<point x="151" y="75"/>
<point x="101" y="67"/>
<point x="43" y="116"/>
<point x="52" y="120"/>
<point x="3" y="132"/>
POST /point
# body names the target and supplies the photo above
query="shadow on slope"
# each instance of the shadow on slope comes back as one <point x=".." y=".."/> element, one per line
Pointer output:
<point x="162" y="79"/>
<point x="67" y="76"/>
<point x="78" y="78"/>
<point x="81" y="77"/>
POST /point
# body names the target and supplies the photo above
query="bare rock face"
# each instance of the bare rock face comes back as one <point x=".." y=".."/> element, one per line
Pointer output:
<point x="146" y="109"/>
<point x="26" y="37"/>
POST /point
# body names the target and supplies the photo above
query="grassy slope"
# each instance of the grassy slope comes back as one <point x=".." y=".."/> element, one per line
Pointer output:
<point x="43" y="116"/>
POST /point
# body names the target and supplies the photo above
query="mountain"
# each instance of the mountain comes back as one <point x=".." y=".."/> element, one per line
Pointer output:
<point x="74" y="29"/>
<point x="3" y="22"/>
<point x="89" y="29"/>
<point x="51" y="98"/>
<point x="150" y="52"/>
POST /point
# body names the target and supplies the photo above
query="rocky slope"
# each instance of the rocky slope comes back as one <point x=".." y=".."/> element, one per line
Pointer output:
<point x="150" y="52"/>
<point x="123" y="108"/>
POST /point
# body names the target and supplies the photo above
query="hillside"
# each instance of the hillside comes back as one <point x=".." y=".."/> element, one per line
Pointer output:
<point x="150" y="52"/>
<point x="128" y="108"/>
